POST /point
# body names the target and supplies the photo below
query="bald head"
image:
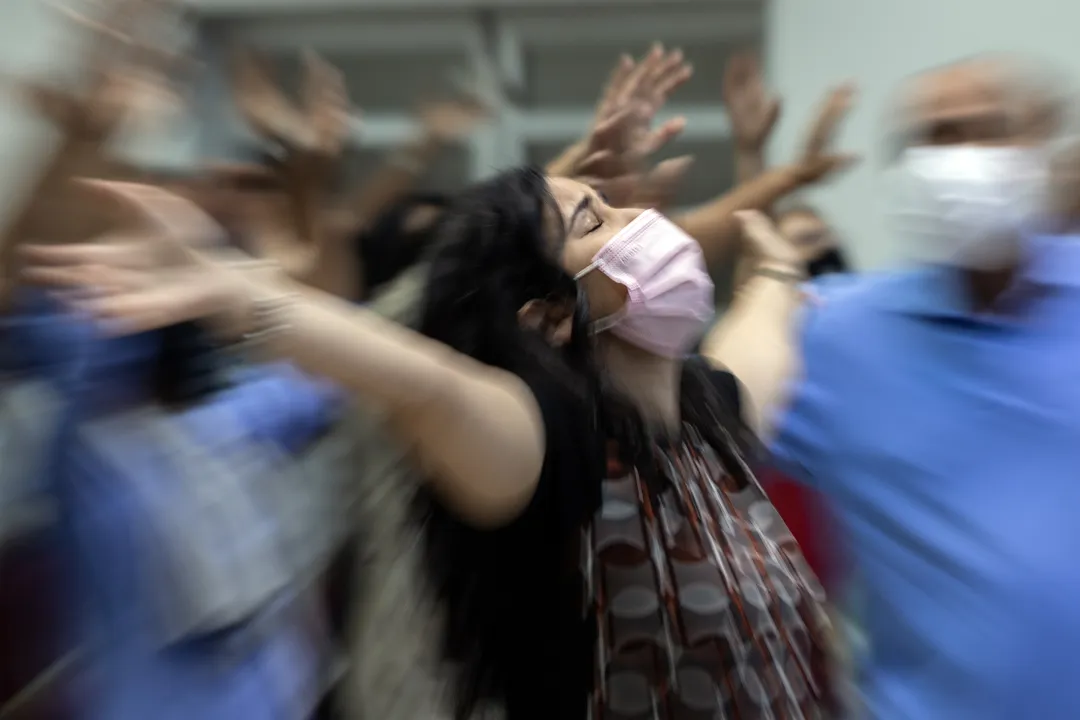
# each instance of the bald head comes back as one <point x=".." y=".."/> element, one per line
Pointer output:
<point x="985" y="100"/>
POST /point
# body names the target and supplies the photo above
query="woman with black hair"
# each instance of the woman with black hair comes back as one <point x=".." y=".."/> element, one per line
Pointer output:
<point x="548" y="354"/>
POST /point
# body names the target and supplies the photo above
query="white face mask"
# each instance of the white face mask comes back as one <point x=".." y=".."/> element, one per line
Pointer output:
<point x="968" y="205"/>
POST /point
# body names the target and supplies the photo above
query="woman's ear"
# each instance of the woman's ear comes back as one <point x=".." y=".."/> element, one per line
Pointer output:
<point x="554" y="320"/>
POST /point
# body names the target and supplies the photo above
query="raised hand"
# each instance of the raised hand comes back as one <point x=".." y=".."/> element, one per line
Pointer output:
<point x="326" y="104"/>
<point x="819" y="160"/>
<point x="317" y="127"/>
<point x="122" y="74"/>
<point x="146" y="275"/>
<point x="313" y="134"/>
<point x="262" y="104"/>
<point x="752" y="109"/>
<point x="623" y="136"/>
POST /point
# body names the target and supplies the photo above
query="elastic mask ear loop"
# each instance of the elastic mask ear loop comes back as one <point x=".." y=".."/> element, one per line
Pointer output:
<point x="605" y="323"/>
<point x="585" y="271"/>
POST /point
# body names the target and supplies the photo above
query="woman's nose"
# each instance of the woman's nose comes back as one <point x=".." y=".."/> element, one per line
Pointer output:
<point x="629" y="215"/>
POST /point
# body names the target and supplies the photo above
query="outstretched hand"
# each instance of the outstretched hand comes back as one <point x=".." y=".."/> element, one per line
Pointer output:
<point x="122" y="75"/>
<point x="819" y="160"/>
<point x="623" y="135"/>
<point x="146" y="276"/>
<point x="613" y="155"/>
<point x="316" y="128"/>
<point x="752" y="109"/>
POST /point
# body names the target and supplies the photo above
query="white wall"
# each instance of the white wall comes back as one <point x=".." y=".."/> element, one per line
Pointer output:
<point x="877" y="43"/>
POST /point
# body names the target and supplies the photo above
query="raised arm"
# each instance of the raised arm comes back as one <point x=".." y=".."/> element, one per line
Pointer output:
<point x="476" y="430"/>
<point x="714" y="224"/>
<point x="612" y="156"/>
<point x="752" y="111"/>
<point x="313" y="135"/>
<point x="755" y="338"/>
<point x="121" y="73"/>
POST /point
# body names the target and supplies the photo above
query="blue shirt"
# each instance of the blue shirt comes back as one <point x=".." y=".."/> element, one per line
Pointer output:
<point x="949" y="446"/>
<point x="106" y="536"/>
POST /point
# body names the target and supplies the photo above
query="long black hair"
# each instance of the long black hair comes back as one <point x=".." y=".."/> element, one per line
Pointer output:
<point x="831" y="261"/>
<point x="493" y="256"/>
<point x="391" y="245"/>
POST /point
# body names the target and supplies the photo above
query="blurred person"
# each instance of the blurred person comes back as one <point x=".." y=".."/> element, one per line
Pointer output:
<point x="186" y="600"/>
<point x="182" y="608"/>
<point x="1065" y="187"/>
<point x="925" y="394"/>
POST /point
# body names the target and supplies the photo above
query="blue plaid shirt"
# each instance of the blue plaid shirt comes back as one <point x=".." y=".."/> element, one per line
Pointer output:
<point x="110" y="537"/>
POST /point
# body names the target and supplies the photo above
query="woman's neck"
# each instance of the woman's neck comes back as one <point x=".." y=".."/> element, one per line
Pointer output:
<point x="649" y="381"/>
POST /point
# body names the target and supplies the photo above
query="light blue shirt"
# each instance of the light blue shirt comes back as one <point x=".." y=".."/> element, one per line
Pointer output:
<point x="949" y="447"/>
<point x="106" y="533"/>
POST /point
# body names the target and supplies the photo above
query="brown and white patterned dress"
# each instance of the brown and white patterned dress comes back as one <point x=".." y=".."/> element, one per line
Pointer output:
<point x="705" y="605"/>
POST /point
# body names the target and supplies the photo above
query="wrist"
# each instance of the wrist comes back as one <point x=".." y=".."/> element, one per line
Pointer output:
<point x="798" y="175"/>
<point x="748" y="151"/>
<point x="240" y="284"/>
<point x="787" y="271"/>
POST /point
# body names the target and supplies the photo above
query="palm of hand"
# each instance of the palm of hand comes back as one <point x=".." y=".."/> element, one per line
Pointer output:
<point x="819" y="160"/>
<point x="319" y="128"/>
<point x="146" y="277"/>
<point x="622" y="135"/>
<point x="752" y="110"/>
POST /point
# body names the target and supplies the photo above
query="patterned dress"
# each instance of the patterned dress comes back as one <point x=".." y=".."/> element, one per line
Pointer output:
<point x="705" y="605"/>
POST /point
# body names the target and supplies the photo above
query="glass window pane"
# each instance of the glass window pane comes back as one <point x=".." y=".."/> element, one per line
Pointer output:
<point x="573" y="75"/>
<point x="449" y="174"/>
<point x="381" y="82"/>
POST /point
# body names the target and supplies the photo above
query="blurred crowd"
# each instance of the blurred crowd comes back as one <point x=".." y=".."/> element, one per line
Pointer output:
<point x="294" y="449"/>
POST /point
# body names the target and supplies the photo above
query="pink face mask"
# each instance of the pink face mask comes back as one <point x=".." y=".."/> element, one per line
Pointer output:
<point x="670" y="294"/>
